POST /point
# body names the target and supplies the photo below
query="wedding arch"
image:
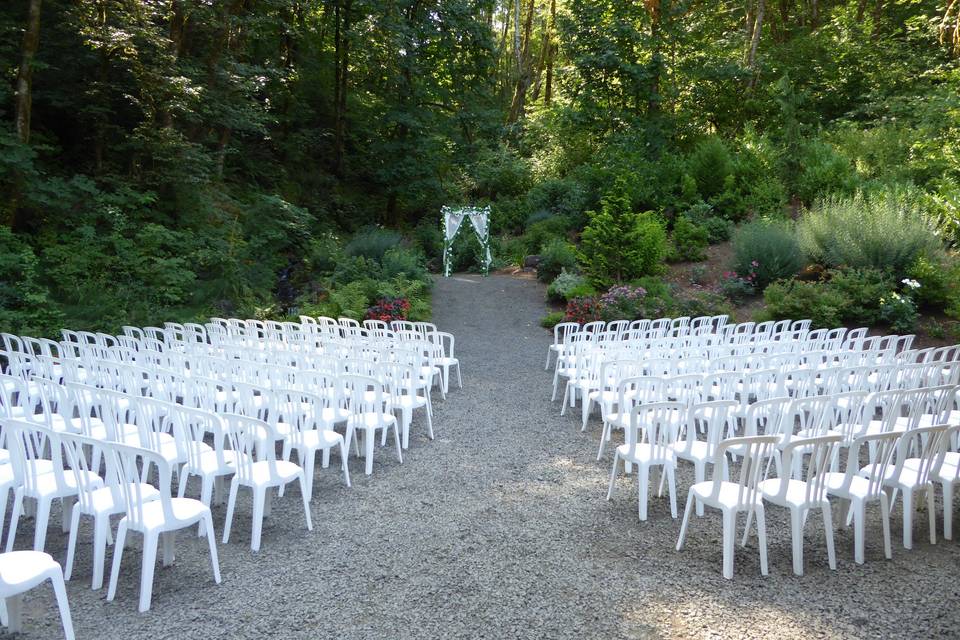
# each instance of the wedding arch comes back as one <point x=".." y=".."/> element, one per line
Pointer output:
<point x="453" y="218"/>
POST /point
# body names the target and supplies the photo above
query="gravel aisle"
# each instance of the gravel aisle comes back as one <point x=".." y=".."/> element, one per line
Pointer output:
<point x="498" y="529"/>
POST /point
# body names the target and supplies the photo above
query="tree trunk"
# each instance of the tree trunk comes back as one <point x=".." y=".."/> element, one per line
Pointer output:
<point x="656" y="60"/>
<point x="551" y="53"/>
<point x="524" y="69"/>
<point x="24" y="100"/>
<point x="755" y="42"/>
<point x="342" y="62"/>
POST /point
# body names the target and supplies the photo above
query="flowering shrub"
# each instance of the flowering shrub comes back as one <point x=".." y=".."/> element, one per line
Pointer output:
<point x="899" y="311"/>
<point x="582" y="310"/>
<point x="623" y="302"/>
<point x="738" y="287"/>
<point x="387" y="309"/>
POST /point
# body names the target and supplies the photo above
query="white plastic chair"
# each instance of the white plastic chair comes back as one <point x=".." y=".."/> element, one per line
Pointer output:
<point x="801" y="495"/>
<point x="257" y="468"/>
<point x="155" y="519"/>
<point x="649" y="440"/>
<point x="21" y="571"/>
<point x="369" y="413"/>
<point x="860" y="489"/>
<point x="734" y="497"/>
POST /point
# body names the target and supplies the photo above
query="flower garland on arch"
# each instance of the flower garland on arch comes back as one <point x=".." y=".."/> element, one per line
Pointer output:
<point x="453" y="218"/>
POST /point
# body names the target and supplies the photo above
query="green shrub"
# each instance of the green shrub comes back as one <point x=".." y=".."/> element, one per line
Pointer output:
<point x="689" y="242"/>
<point x="798" y="300"/>
<point x="355" y="268"/>
<point x="540" y="233"/>
<point x="352" y="299"/>
<point x="885" y="231"/>
<point x="620" y="244"/>
<point x="372" y="243"/>
<point x="823" y="171"/>
<point x="509" y="249"/>
<point x="939" y="280"/>
<point x="499" y="173"/>
<point x="568" y="285"/>
<point x="899" y="312"/>
<point x="709" y="165"/>
<point x="717" y="227"/>
<point x="702" y="303"/>
<point x="25" y="305"/>
<point x="861" y="290"/>
<point x="556" y="256"/>
<point x="429" y="238"/>
<point x="552" y="319"/>
<point x="406" y="263"/>
<point x="769" y="249"/>
<point x="559" y="196"/>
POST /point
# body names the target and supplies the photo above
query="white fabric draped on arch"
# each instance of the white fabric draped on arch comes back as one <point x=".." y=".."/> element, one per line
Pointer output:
<point x="452" y="221"/>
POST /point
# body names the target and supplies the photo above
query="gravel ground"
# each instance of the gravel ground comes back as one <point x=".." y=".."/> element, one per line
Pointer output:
<point x="499" y="529"/>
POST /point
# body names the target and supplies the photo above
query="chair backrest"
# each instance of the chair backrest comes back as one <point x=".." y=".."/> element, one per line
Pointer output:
<point x="755" y="453"/>
<point x="364" y="394"/>
<point x="655" y="424"/>
<point x="252" y="440"/>
<point x="716" y="419"/>
<point x="819" y="453"/>
<point x="133" y="466"/>
<point x="926" y="446"/>
<point x="29" y="443"/>
<point x="83" y="473"/>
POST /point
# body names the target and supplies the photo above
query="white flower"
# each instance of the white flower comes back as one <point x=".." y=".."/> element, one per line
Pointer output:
<point x="913" y="284"/>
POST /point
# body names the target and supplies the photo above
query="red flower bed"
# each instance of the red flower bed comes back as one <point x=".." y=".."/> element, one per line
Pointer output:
<point x="387" y="309"/>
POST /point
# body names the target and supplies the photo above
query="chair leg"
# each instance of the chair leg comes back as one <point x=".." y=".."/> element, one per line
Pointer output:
<point x="344" y="463"/>
<point x="828" y="530"/>
<point x="396" y="438"/>
<point x="603" y="440"/>
<point x="948" y="510"/>
<point x="259" y="498"/>
<point x="459" y="377"/>
<point x="100" y="531"/>
<point x="66" y="514"/>
<point x="746" y="529"/>
<point x="150" y="541"/>
<point x="932" y="513"/>
<point x="729" y="526"/>
<point x="546" y="367"/>
<point x="60" y="591"/>
<point x="72" y="545"/>
<point x="762" y="539"/>
<point x="796" y="535"/>
<point x="686" y="521"/>
<point x="907" y="519"/>
<point x="231" y="503"/>
<point x="643" y="491"/>
<point x="672" y="488"/>
<point x="117" y="556"/>
<point x="212" y="543"/>
<point x="168" y="552"/>
<point x="885" y="514"/>
<point x="43" y="518"/>
<point x="699" y="475"/>
<point x="858" y="510"/>
<point x="14" y="518"/>
<point x="613" y="474"/>
<point x="368" y="438"/>
<point x="13" y="613"/>
<point x="306" y="501"/>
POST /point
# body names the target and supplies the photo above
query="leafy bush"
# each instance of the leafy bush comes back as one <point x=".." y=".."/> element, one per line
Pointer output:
<point x="702" y="303"/>
<point x="717" y="227"/>
<point x="352" y="299"/>
<point x="509" y="249"/>
<point x="552" y="319"/>
<point x="568" y="285"/>
<point x="556" y="256"/>
<point x="544" y="231"/>
<point x="885" y="231"/>
<point x="689" y="242"/>
<point x="559" y="196"/>
<point x="823" y="171"/>
<point x="372" y="243"/>
<point x="738" y="287"/>
<point x="798" y="300"/>
<point x="408" y="263"/>
<point x="500" y="172"/>
<point x="429" y="238"/>
<point x="861" y="290"/>
<point x="709" y="165"/>
<point x="939" y="281"/>
<point x="899" y="312"/>
<point x="619" y="244"/>
<point x="25" y="305"/>
<point x="768" y="249"/>
<point x="355" y="268"/>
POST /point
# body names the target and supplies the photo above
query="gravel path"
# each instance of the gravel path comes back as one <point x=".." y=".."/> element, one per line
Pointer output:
<point x="498" y="529"/>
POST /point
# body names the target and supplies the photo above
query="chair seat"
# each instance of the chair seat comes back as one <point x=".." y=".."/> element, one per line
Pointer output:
<point x="644" y="453"/>
<point x="18" y="569"/>
<point x="730" y="495"/>
<point x="260" y="473"/>
<point x="318" y="439"/>
<point x="45" y="484"/>
<point x="694" y="450"/>
<point x="371" y="420"/>
<point x="186" y="511"/>
<point x="795" y="496"/>
<point x="103" y="500"/>
<point x="859" y="486"/>
<point x="207" y="463"/>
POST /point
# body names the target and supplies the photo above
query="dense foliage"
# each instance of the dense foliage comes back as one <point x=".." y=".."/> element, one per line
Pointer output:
<point x="172" y="159"/>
